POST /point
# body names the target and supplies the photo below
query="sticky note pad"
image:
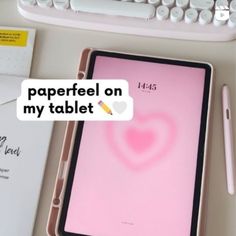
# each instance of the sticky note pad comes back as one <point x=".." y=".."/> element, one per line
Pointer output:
<point x="13" y="38"/>
<point x="16" y="50"/>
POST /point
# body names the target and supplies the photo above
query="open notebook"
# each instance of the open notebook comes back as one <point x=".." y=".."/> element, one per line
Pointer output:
<point x="23" y="145"/>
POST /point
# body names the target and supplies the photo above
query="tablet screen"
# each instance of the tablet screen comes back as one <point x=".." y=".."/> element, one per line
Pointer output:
<point x="141" y="177"/>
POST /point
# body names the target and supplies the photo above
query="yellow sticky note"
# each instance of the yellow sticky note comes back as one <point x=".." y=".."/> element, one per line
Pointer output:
<point x="13" y="38"/>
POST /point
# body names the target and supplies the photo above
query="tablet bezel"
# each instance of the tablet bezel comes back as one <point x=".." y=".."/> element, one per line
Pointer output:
<point x="202" y="134"/>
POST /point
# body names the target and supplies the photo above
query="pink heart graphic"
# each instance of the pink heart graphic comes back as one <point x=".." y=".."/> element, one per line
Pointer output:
<point x="143" y="141"/>
<point x="139" y="140"/>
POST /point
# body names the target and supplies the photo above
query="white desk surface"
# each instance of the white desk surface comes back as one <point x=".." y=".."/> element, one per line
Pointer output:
<point x="56" y="55"/>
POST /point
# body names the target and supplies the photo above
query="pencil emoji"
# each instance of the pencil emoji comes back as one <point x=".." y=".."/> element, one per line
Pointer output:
<point x="105" y="107"/>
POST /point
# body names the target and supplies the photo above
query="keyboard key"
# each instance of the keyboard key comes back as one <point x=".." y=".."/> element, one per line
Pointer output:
<point x="202" y="4"/>
<point x="233" y="6"/>
<point x="221" y="12"/>
<point x="218" y="22"/>
<point x="191" y="16"/>
<point x="118" y="8"/>
<point x="221" y="4"/>
<point x="61" y="4"/>
<point x="205" y="17"/>
<point x="44" y="3"/>
<point x="162" y="13"/>
<point x="29" y="2"/>
<point x="182" y="3"/>
<point x="176" y="14"/>
<point x="168" y="3"/>
<point x="154" y="2"/>
<point x="140" y="1"/>
<point x="232" y="20"/>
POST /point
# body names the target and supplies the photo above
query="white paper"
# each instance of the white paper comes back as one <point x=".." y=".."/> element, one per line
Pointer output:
<point x="9" y="88"/>
<point x="23" y="154"/>
<point x="23" y="146"/>
<point x="16" y="60"/>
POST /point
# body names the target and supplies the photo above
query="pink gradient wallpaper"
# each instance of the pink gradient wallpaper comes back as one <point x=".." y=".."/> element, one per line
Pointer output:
<point x="136" y="178"/>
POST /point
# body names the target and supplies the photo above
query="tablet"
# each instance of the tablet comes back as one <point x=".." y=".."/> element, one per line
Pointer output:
<point x="141" y="177"/>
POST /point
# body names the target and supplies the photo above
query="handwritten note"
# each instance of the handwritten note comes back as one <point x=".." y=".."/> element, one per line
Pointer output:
<point x="7" y="149"/>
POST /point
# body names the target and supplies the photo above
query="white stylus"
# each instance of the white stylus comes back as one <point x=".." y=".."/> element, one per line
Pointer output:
<point x="228" y="139"/>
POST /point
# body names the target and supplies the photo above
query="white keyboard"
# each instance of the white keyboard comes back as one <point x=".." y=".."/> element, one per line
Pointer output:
<point x="205" y="20"/>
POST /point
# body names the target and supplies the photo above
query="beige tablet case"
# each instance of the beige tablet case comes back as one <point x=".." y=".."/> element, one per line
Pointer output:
<point x="62" y="174"/>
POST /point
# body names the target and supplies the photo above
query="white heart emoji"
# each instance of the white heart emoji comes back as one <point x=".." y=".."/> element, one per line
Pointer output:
<point x="119" y="107"/>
